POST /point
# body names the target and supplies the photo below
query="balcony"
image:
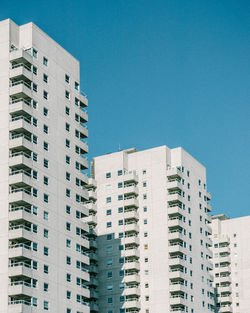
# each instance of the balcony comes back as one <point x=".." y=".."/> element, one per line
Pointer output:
<point x="227" y="300"/>
<point x="131" y="266"/>
<point x="130" y="240"/>
<point x="20" y="288"/>
<point x="177" y="287"/>
<point x="130" y="253"/>
<point x="94" y="294"/>
<point x="176" y="249"/>
<point x="132" y="278"/>
<point x="93" y="244"/>
<point x="131" y="202"/>
<point x="174" y="235"/>
<point x="20" y="251"/>
<point x="176" y="275"/>
<point x="175" y="223"/>
<point x="20" y="158"/>
<point x="93" y="269"/>
<point x="20" y="55"/>
<point x="91" y="206"/>
<point x="175" y="210"/>
<point x="20" y="178"/>
<point x="223" y="280"/>
<point x="225" y="309"/>
<point x="223" y="250"/>
<point x="85" y="147"/>
<point x="177" y="300"/>
<point x="20" y="141"/>
<point x="130" y="190"/>
<point x="20" y="70"/>
<point x="91" y="219"/>
<point x="20" y="196"/>
<point x="133" y="227"/>
<point x="174" y="174"/>
<point x="130" y="177"/>
<point x="84" y="114"/>
<point x="20" y="213"/>
<point x="224" y="269"/>
<point x="131" y="291"/>
<point x="92" y="194"/>
<point x="19" y="306"/>
<point x="20" y="231"/>
<point x="225" y="259"/>
<point x="176" y="261"/>
<point x="131" y="215"/>
<point x="174" y="184"/>
<point x="20" y="89"/>
<point x="174" y="198"/>
<point x="20" y="269"/>
<point x="224" y="289"/>
<point x="20" y="123"/>
<point x="94" y="307"/>
<point x="20" y="106"/>
<point x="131" y="304"/>
<point x="208" y="195"/>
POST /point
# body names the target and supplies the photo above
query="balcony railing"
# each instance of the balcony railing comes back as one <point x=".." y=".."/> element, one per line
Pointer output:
<point x="20" y="136"/>
<point x="13" y="101"/>
<point x="20" y="118"/>
<point x="20" y="65"/>
<point x="22" y="264"/>
<point x="12" y="84"/>
<point x="20" y="172"/>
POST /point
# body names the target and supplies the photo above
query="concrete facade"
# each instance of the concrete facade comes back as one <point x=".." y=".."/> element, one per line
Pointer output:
<point x="44" y="248"/>
<point x="231" y="258"/>
<point x="153" y="228"/>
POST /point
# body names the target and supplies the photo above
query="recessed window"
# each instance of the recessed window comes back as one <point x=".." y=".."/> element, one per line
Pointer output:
<point x="45" y="163"/>
<point x="67" y="94"/>
<point x="67" y="78"/>
<point x="45" y="287"/>
<point x="46" y="269"/>
<point x="68" y="176"/>
<point x="45" y="129"/>
<point x="45" y="111"/>
<point x="119" y="173"/>
<point x="46" y="233"/>
<point x="67" y="159"/>
<point x="68" y="277"/>
<point x="34" y="139"/>
<point x="67" y="110"/>
<point x="67" y="127"/>
<point x="77" y="86"/>
<point x="45" y="95"/>
<point x="108" y="175"/>
<point x="45" y="61"/>
<point x="67" y="143"/>
<point x="68" y="226"/>
<point x="46" y="251"/>
<point x="119" y="185"/>
<point x="45" y="215"/>
<point x="108" y="212"/>
<point x="109" y="224"/>
<point x="67" y="192"/>
<point x="45" y="305"/>
<point x="34" y="53"/>
<point x="68" y="294"/>
<point x="45" y="78"/>
<point x="68" y="260"/>
<point x="68" y="243"/>
<point x="45" y="198"/>
<point x="68" y="209"/>
<point x="45" y="146"/>
<point x="108" y="199"/>
<point x="35" y="87"/>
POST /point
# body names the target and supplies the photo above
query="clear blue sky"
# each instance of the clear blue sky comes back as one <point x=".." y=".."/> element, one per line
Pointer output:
<point x="162" y="72"/>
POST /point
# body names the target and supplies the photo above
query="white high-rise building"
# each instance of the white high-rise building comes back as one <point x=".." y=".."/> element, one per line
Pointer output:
<point x="153" y="228"/>
<point x="231" y="261"/>
<point x="43" y="242"/>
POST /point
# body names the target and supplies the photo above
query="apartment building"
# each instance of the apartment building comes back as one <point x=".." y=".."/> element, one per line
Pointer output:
<point x="153" y="232"/>
<point x="44" y="240"/>
<point x="231" y="262"/>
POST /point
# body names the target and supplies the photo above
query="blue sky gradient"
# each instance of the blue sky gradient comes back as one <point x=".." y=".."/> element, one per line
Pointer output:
<point x="162" y="72"/>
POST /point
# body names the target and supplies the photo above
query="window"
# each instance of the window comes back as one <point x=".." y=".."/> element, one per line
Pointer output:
<point x="35" y="87"/>
<point x="120" y="197"/>
<point x="68" y="209"/>
<point x="68" y="176"/>
<point x="34" y="210"/>
<point x="108" y="212"/>
<point x="45" y="129"/>
<point x="77" y="86"/>
<point x="45" y="287"/>
<point x="120" y="222"/>
<point x="45" y="111"/>
<point x="46" y="269"/>
<point x="145" y="209"/>
<point x="120" y="210"/>
<point x="68" y="277"/>
<point x="67" y="110"/>
<point x="188" y="173"/>
<point x="68" y="243"/>
<point x="34" y="156"/>
<point x="34" y="246"/>
<point x="45" y="61"/>
<point x="144" y="184"/>
<point x="67" y="159"/>
<point x="68" y="226"/>
<point x="144" y="172"/>
<point x="46" y="233"/>
<point x="45" y="180"/>
<point x="34" y="70"/>
<point x="67" y="127"/>
<point x="45" y="146"/>
<point x="108" y="175"/>
<point x="67" y="143"/>
<point x="34" y="53"/>
<point x="119" y="173"/>
<point x="108" y="199"/>
<point x="45" y="163"/>
<point x="144" y="197"/>
<point x="34" y="192"/>
<point x="45" y="305"/>
<point x="46" y="251"/>
<point x="145" y="221"/>
<point x="35" y="122"/>
<point x="45" y="78"/>
<point x="109" y="249"/>
<point x="45" y="198"/>
<point x="45" y="95"/>
<point x="67" y="78"/>
<point x="45" y="215"/>
<point x="35" y="174"/>
<point x="120" y="185"/>
<point x="68" y="294"/>
<point x="109" y="224"/>
<point x="109" y="275"/>
<point x="78" y="214"/>
<point x="109" y="237"/>
<point x="68" y="260"/>
<point x="67" y="94"/>
<point x="34" y="139"/>
<point x="110" y="300"/>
